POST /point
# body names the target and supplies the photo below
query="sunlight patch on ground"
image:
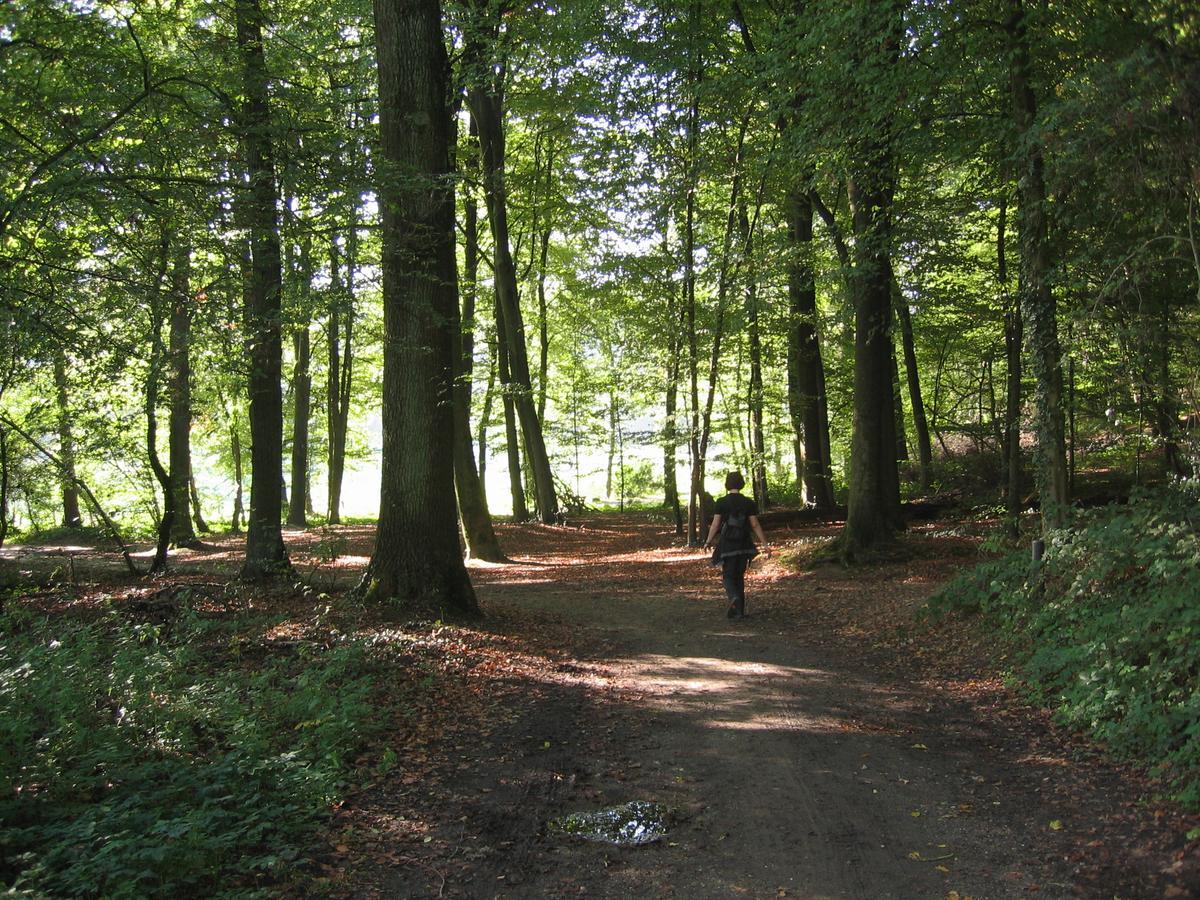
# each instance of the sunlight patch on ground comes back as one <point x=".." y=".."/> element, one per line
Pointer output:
<point x="783" y="722"/>
<point x="707" y="666"/>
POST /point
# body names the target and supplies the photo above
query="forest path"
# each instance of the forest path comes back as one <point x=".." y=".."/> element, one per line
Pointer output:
<point x="795" y="766"/>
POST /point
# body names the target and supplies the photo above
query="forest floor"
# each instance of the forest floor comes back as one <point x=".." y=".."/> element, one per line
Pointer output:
<point x="829" y="745"/>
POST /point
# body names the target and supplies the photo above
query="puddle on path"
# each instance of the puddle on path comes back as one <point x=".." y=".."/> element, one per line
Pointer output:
<point x="628" y="825"/>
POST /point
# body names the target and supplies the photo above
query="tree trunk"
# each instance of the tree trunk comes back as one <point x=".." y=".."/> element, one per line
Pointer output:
<point x="235" y="448"/>
<point x="511" y="440"/>
<point x="873" y="505"/>
<point x="485" y="418"/>
<point x="543" y="326"/>
<point x="695" y="73"/>
<point x="197" y="514"/>
<point x="913" y="375"/>
<point x="302" y="398"/>
<point x="1038" y="307"/>
<point x="339" y="371"/>
<point x="806" y="372"/>
<point x="3" y="485"/>
<point x="180" y="393"/>
<point x="758" y="454"/>
<point x="1167" y="406"/>
<point x="417" y="556"/>
<point x="671" y="403"/>
<point x="478" y="533"/>
<point x="265" y="552"/>
<point x="898" y="408"/>
<point x="157" y="358"/>
<point x="487" y="105"/>
<point x="66" y="445"/>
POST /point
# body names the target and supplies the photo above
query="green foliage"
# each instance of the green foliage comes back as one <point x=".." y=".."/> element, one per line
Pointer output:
<point x="138" y="759"/>
<point x="1110" y="625"/>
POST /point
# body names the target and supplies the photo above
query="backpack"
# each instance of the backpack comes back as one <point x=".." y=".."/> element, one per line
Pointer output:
<point x="736" y="528"/>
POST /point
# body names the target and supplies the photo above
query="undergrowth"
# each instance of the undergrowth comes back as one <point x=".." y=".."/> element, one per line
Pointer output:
<point x="1109" y="623"/>
<point x="138" y="760"/>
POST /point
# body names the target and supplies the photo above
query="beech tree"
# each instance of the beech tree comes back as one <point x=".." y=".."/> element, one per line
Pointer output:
<point x="417" y="555"/>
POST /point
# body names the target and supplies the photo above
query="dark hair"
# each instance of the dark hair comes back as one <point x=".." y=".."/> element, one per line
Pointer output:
<point x="734" y="481"/>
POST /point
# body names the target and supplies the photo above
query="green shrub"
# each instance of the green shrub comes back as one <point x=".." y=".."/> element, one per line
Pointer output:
<point x="132" y="765"/>
<point x="1110" y="623"/>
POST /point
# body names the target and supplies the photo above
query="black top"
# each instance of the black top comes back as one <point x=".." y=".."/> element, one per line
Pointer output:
<point x="728" y="505"/>
<point x="731" y="503"/>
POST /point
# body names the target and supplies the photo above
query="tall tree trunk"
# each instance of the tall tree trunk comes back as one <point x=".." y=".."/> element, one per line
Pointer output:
<point x="1012" y="394"/>
<point x="486" y="97"/>
<point x="511" y="439"/>
<point x="180" y="393"/>
<point x="265" y="552"/>
<point x="478" y="533"/>
<point x="1038" y="307"/>
<point x="485" y="419"/>
<point x="66" y="445"/>
<point x="1167" y="405"/>
<point x="700" y="459"/>
<point x="302" y="398"/>
<point x="671" y="403"/>
<point x="4" y="481"/>
<point x="913" y="375"/>
<point x="339" y="369"/>
<point x="695" y="74"/>
<point x="806" y="371"/>
<point x="758" y="454"/>
<point x="235" y="449"/>
<point x="873" y="505"/>
<point x="417" y="556"/>
<point x="157" y="359"/>
<point x="898" y="408"/>
<point x="301" y="384"/>
<point x="197" y="514"/>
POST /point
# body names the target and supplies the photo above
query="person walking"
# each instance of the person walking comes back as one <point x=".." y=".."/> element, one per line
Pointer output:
<point x="734" y="528"/>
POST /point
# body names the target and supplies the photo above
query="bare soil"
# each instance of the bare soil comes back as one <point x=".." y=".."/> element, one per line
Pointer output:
<point x="827" y="746"/>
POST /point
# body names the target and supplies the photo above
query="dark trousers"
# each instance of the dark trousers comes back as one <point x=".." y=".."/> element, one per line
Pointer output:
<point x="733" y="576"/>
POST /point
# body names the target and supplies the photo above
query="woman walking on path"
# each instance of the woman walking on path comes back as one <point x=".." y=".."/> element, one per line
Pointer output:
<point x="732" y="534"/>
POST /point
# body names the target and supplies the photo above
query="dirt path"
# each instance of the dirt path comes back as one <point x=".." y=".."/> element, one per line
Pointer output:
<point x="795" y="767"/>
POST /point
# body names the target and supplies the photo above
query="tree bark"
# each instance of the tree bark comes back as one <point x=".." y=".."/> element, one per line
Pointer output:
<point x="340" y="368"/>
<point x="1038" y="305"/>
<point x="671" y="403"/>
<point x="66" y="445"/>
<point x="913" y="376"/>
<point x="157" y="359"/>
<point x="180" y="393"/>
<point x="197" y="514"/>
<point x="898" y="407"/>
<point x="806" y="373"/>
<point x="873" y="506"/>
<point x="478" y="533"/>
<point x="417" y="556"/>
<point x="486" y="98"/>
<point x="754" y="399"/>
<point x="265" y="552"/>
<point x="235" y="448"/>
<point x="3" y="485"/>
<point x="692" y="179"/>
<point x="302" y="398"/>
<point x="511" y="439"/>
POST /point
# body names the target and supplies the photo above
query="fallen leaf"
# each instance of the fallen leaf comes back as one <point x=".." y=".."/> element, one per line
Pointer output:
<point x="1056" y="825"/>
